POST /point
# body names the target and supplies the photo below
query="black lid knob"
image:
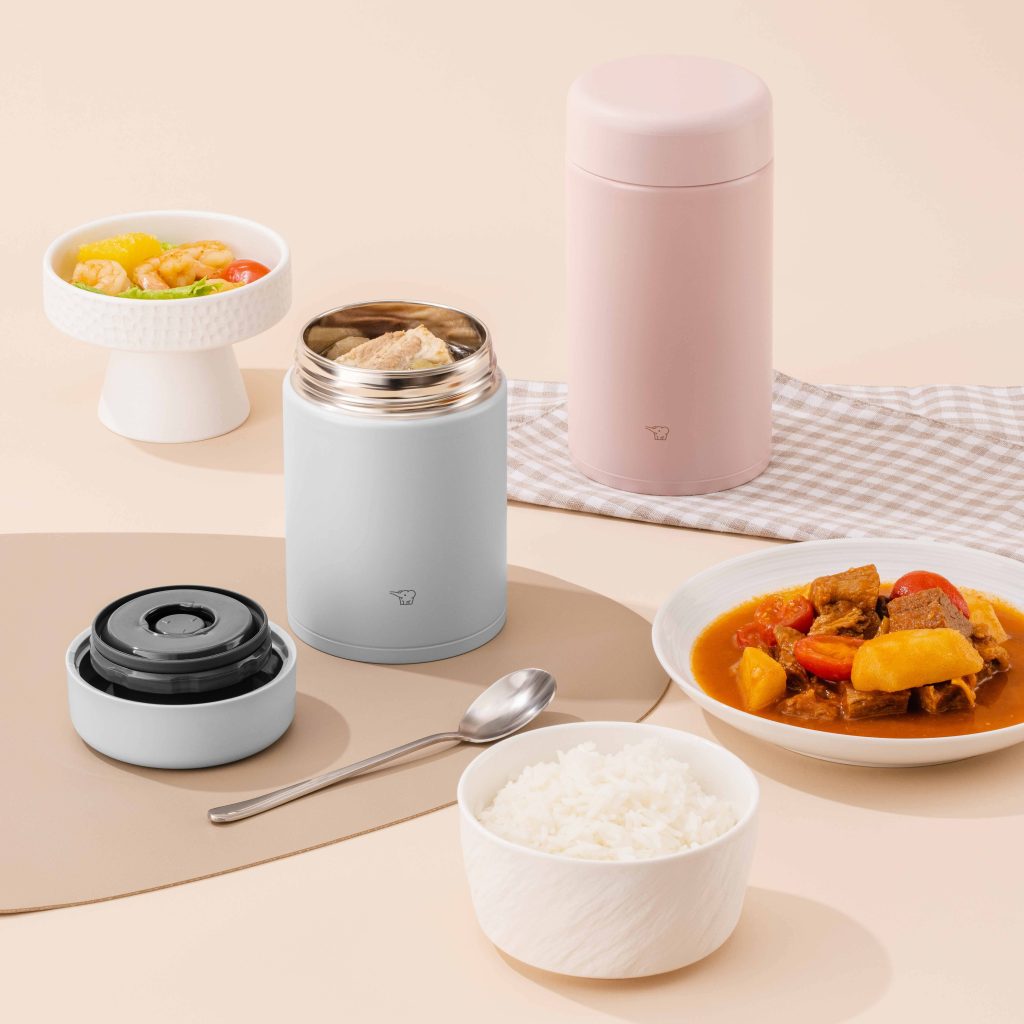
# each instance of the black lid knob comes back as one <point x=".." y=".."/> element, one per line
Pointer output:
<point x="183" y="639"/>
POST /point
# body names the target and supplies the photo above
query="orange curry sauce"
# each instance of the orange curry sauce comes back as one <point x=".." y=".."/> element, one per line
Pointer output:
<point x="1000" y="699"/>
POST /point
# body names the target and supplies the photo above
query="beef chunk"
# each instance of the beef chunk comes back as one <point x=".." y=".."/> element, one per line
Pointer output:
<point x="997" y="657"/>
<point x="844" y="618"/>
<point x="810" y="703"/>
<point x="872" y="704"/>
<point x="785" y="638"/>
<point x="858" y="586"/>
<point x="939" y="698"/>
<point x="927" y="609"/>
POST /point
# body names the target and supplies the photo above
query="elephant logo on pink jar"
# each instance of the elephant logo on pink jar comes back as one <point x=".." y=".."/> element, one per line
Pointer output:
<point x="660" y="433"/>
<point x="404" y="596"/>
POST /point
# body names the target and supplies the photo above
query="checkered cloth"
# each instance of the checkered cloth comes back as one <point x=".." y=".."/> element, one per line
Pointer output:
<point x="940" y="462"/>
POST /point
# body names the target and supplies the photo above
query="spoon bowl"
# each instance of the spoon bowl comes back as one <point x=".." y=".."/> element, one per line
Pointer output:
<point x="507" y="705"/>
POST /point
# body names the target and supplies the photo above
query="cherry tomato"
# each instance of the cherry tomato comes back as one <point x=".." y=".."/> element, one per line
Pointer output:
<point x="752" y="635"/>
<point x="913" y="582"/>
<point x="795" y="612"/>
<point x="827" y="657"/>
<point x="244" y="271"/>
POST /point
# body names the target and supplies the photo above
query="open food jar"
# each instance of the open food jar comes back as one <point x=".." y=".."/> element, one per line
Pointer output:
<point x="395" y="486"/>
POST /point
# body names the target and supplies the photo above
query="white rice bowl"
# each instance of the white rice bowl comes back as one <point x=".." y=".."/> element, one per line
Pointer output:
<point x="633" y="804"/>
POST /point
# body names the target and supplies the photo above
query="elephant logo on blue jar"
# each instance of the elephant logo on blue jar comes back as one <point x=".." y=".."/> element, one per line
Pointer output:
<point x="404" y="596"/>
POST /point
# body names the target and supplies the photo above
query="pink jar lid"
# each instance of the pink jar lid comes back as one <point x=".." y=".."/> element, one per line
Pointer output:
<point x="669" y="120"/>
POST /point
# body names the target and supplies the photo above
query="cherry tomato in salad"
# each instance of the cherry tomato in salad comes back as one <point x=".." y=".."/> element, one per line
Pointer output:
<point x="795" y="612"/>
<point x="913" y="582"/>
<point x="244" y="271"/>
<point x="827" y="657"/>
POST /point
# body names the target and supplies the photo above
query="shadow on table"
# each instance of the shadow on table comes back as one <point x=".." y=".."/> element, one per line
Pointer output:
<point x="590" y="643"/>
<point x="790" y="959"/>
<point x="318" y="736"/>
<point x="978" y="787"/>
<point x="315" y="743"/>
<point x="254" y="447"/>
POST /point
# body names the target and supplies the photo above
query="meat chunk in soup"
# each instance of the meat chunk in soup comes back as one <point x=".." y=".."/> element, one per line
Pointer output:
<point x="927" y="609"/>
<point x="939" y="698"/>
<point x="810" y="703"/>
<point x="785" y="637"/>
<point x="996" y="657"/>
<point x="844" y="618"/>
<point x="872" y="704"/>
<point x="859" y="586"/>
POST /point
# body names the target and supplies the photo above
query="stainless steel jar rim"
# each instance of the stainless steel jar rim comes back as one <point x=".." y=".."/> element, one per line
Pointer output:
<point x="470" y="379"/>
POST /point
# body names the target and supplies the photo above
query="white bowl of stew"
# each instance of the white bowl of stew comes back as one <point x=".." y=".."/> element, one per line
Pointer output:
<point x="694" y="634"/>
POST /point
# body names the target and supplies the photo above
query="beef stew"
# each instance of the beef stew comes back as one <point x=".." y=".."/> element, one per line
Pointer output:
<point x="911" y="666"/>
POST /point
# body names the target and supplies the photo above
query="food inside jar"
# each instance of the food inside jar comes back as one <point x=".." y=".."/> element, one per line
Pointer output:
<point x="414" y="349"/>
<point x="866" y="662"/>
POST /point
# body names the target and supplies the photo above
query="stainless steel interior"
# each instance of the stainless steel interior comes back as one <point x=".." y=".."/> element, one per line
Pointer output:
<point x="470" y="378"/>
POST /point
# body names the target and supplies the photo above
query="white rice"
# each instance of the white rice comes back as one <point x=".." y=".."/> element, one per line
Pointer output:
<point x="632" y="805"/>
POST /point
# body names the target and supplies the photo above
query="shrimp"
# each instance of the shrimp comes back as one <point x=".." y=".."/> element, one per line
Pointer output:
<point x="107" y="276"/>
<point x="147" y="275"/>
<point x="183" y="265"/>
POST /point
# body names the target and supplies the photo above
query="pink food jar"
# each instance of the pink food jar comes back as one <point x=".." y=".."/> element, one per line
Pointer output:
<point x="669" y="258"/>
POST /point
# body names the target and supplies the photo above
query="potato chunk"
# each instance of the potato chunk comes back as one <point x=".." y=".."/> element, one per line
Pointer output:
<point x="984" y="614"/>
<point x="762" y="679"/>
<point x="913" y="657"/>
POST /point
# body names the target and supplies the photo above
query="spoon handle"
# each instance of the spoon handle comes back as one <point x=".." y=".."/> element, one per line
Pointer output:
<point x="259" y="804"/>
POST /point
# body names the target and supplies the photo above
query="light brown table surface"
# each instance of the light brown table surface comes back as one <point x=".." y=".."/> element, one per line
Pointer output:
<point x="410" y="149"/>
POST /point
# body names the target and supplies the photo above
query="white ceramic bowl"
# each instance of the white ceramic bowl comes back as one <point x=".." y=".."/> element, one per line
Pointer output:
<point x="607" y="919"/>
<point x="171" y="375"/>
<point x="183" y="735"/>
<point x="704" y="597"/>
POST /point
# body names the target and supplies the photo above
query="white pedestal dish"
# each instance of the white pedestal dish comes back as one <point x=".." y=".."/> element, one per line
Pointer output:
<point x="172" y="375"/>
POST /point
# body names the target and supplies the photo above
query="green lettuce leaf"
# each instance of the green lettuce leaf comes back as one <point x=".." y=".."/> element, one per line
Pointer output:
<point x="204" y="286"/>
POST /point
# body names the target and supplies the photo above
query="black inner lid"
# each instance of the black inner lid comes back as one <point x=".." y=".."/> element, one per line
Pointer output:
<point x="185" y="639"/>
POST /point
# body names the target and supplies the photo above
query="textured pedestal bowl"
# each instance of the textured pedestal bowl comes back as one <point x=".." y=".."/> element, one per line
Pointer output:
<point x="171" y="375"/>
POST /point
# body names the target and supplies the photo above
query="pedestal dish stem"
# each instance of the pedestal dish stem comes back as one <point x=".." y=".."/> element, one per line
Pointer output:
<point x="173" y="396"/>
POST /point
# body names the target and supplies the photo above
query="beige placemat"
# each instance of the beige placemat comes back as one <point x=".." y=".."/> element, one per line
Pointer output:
<point x="76" y="827"/>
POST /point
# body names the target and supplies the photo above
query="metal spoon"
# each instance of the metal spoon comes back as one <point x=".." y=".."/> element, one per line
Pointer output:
<point x="503" y="708"/>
